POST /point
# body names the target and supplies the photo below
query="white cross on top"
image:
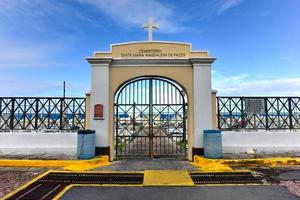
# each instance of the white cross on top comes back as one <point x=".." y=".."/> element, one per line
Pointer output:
<point x="150" y="26"/>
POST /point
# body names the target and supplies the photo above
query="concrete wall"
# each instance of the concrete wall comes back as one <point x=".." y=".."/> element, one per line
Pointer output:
<point x="100" y="95"/>
<point x="66" y="143"/>
<point x="38" y="143"/>
<point x="262" y="141"/>
<point x="202" y="101"/>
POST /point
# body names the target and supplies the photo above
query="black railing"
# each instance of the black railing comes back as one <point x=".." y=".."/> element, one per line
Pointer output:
<point x="41" y="113"/>
<point x="258" y="113"/>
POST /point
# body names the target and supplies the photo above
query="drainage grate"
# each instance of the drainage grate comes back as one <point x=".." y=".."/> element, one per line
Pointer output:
<point x="225" y="178"/>
<point x="94" y="178"/>
<point x="49" y="186"/>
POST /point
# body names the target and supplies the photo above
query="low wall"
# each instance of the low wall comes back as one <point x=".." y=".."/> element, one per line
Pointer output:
<point x="66" y="143"/>
<point x="261" y="141"/>
<point x="38" y="143"/>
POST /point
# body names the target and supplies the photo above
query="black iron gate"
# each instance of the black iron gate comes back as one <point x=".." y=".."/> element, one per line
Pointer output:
<point x="150" y="119"/>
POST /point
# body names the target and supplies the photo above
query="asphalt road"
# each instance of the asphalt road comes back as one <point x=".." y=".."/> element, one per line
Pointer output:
<point x="272" y="192"/>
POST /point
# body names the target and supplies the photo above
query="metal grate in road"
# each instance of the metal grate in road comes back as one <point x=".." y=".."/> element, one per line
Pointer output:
<point x="225" y="178"/>
<point x="94" y="178"/>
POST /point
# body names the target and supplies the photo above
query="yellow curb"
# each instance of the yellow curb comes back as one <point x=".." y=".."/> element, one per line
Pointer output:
<point x="224" y="165"/>
<point x="66" y="164"/>
<point x="167" y="178"/>
<point x="210" y="165"/>
<point x="269" y="162"/>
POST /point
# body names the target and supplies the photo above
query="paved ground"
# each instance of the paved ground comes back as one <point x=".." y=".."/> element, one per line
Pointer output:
<point x="180" y="193"/>
<point x="287" y="177"/>
<point x="284" y="180"/>
<point x="148" y="164"/>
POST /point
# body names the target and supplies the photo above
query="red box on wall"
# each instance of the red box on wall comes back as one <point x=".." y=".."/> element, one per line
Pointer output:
<point x="98" y="111"/>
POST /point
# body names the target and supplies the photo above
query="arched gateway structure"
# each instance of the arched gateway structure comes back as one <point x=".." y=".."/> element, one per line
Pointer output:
<point x="156" y="100"/>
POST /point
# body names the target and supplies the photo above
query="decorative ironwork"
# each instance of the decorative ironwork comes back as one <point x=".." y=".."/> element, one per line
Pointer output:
<point x="35" y="113"/>
<point x="278" y="113"/>
<point x="150" y="119"/>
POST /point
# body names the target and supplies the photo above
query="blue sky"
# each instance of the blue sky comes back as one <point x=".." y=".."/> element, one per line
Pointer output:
<point x="256" y="42"/>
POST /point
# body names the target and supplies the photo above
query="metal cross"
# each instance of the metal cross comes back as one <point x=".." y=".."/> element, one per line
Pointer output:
<point x="150" y="26"/>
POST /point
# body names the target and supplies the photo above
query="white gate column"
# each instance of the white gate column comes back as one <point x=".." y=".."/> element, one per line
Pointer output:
<point x="202" y="100"/>
<point x="100" y="95"/>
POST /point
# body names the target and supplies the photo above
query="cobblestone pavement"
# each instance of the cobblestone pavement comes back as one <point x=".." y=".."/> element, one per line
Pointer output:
<point x="286" y="177"/>
<point x="292" y="186"/>
<point x="148" y="164"/>
<point x="12" y="178"/>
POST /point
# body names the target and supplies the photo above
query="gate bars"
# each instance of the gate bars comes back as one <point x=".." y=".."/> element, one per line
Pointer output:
<point x="278" y="113"/>
<point x="34" y="113"/>
<point x="150" y="119"/>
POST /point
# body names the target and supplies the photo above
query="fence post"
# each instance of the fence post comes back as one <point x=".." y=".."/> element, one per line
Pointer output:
<point x="12" y="114"/>
<point x="61" y="114"/>
<point x="290" y="113"/>
<point x="36" y="113"/>
<point x="1" y="99"/>
<point x="242" y="112"/>
<point x="214" y="107"/>
<point x="87" y="110"/>
<point x="218" y="114"/>
<point x="266" y="113"/>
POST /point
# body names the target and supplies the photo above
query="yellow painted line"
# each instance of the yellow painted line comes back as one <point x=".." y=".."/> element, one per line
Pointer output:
<point x="66" y="164"/>
<point x="26" y="185"/>
<point x="100" y="172"/>
<point x="167" y="178"/>
<point x="68" y="187"/>
<point x="238" y="184"/>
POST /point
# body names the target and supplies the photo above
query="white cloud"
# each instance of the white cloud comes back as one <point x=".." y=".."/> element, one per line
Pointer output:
<point x="34" y="33"/>
<point x="18" y="53"/>
<point x="240" y="85"/>
<point x="45" y="17"/>
<point x="12" y="85"/>
<point x="136" y="12"/>
<point x="224" y="5"/>
<point x="286" y="58"/>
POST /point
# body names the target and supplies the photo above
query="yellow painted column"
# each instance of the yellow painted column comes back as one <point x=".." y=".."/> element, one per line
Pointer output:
<point x="87" y="110"/>
<point x="214" y="109"/>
